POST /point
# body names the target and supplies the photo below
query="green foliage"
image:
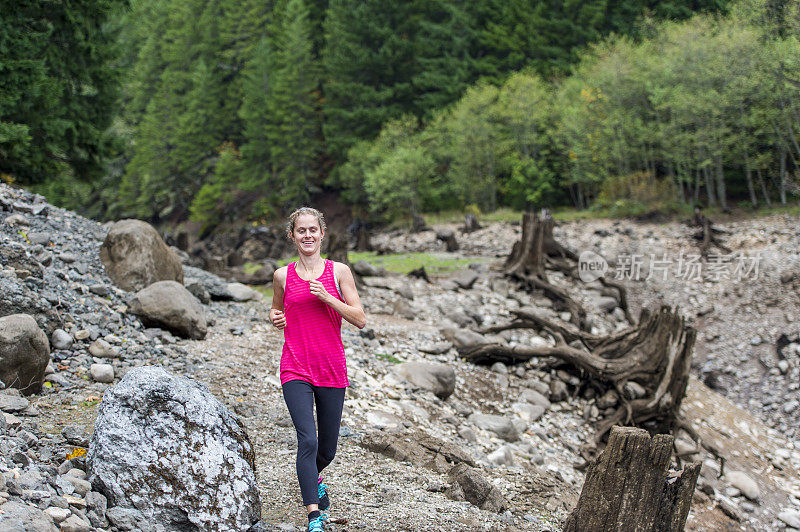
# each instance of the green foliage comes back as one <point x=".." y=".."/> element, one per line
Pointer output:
<point x="58" y="85"/>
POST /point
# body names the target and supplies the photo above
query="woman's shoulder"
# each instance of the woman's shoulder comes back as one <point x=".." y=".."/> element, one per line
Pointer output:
<point x="281" y="273"/>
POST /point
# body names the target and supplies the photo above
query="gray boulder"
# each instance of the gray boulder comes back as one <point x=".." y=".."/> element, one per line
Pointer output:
<point x="18" y="516"/>
<point x="365" y="269"/>
<point x="169" y="305"/>
<point x="500" y="425"/>
<point x="466" y="483"/>
<point x="465" y="279"/>
<point x="216" y="287"/>
<point x="135" y="256"/>
<point x="241" y="292"/>
<point x="14" y="255"/>
<point x="164" y="446"/>
<point x="437" y="378"/>
<point x="24" y="353"/>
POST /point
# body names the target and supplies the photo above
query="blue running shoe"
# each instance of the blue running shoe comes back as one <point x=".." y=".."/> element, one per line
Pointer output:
<point x="317" y="524"/>
<point x="322" y="491"/>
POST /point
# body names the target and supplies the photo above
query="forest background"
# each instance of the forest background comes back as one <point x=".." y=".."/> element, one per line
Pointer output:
<point x="221" y="111"/>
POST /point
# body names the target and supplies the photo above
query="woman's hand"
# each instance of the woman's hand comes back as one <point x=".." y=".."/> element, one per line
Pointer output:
<point x="277" y="318"/>
<point x="318" y="290"/>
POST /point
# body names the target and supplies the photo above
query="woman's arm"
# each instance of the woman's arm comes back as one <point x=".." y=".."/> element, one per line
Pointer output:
<point x="276" y="312"/>
<point x="350" y="309"/>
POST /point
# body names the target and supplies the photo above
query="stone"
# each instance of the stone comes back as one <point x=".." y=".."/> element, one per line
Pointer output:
<point x="634" y="390"/>
<point x="791" y="518"/>
<point x="24" y="353"/>
<point x="241" y="292"/>
<point x="383" y="420"/>
<point x="558" y="391"/>
<point x="75" y="524"/>
<point x="365" y="269"/>
<point x="501" y="456"/>
<point x="500" y="425"/>
<point x="473" y="487"/>
<point x="533" y="397"/>
<point x="60" y="339"/>
<point x="744" y="483"/>
<point x="468" y="434"/>
<point x="11" y="402"/>
<point x="16" y="257"/>
<point x="405" y="291"/>
<point x="169" y="305"/>
<point x="97" y="503"/>
<point x="460" y="318"/>
<point x="528" y="412"/>
<point x="82" y="334"/>
<point x="436" y="348"/>
<point x="127" y="519"/>
<point x="435" y="377"/>
<point x="499" y="367"/>
<point x="102" y="373"/>
<point x="163" y="444"/>
<point x="58" y="514"/>
<point x="81" y="486"/>
<point x="608" y="400"/>
<point x="102" y="349"/>
<point x="606" y="304"/>
<point x="402" y="308"/>
<point x="465" y="279"/>
<point x="462" y="338"/>
<point x="17" y="219"/>
<point x="135" y="256"/>
<point x="16" y="516"/>
<point x="199" y="291"/>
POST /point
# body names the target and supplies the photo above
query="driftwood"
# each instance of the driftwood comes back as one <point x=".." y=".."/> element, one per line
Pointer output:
<point x="629" y="488"/>
<point x="653" y="356"/>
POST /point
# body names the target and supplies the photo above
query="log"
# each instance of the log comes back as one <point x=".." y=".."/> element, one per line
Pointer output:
<point x="629" y="488"/>
<point x="655" y="354"/>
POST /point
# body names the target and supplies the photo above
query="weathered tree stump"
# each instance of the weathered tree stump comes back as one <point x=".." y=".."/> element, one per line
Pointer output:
<point x="418" y="224"/>
<point x="529" y="257"/>
<point x="336" y="250"/>
<point x="470" y="224"/>
<point x="448" y="236"/>
<point x="708" y="234"/>
<point x="629" y="488"/>
<point x="420" y="273"/>
<point x="655" y="355"/>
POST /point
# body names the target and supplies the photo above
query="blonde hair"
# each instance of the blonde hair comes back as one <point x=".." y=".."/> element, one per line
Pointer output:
<point x="299" y="212"/>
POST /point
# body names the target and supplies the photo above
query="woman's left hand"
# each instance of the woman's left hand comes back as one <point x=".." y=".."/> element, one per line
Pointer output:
<point x="318" y="290"/>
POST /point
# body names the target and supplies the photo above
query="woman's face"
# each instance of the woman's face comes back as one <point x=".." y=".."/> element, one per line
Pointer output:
<point x="307" y="234"/>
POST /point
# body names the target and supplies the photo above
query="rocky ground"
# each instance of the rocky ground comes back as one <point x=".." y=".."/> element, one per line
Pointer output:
<point x="529" y="451"/>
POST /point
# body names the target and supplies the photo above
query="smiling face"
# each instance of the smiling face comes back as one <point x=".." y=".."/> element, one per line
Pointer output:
<point x="307" y="234"/>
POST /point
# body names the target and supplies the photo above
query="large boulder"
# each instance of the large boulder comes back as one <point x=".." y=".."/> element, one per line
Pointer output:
<point x="466" y="483"/>
<point x="168" y="305"/>
<point x="164" y="446"/>
<point x="135" y="256"/>
<point x="435" y="377"/>
<point x="24" y="353"/>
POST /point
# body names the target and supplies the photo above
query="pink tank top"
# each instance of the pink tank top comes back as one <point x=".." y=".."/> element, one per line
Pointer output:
<point x="312" y="347"/>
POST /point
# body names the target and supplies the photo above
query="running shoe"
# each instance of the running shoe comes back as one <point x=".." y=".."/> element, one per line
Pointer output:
<point x="322" y="491"/>
<point x="317" y="524"/>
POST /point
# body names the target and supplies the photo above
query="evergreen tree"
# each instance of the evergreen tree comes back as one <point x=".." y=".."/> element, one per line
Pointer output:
<point x="59" y="85"/>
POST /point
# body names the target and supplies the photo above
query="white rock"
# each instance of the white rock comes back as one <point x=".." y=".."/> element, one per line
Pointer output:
<point x="102" y="372"/>
<point x="744" y="483"/>
<point x="791" y="518"/>
<point x="102" y="349"/>
<point x="58" y="514"/>
<point x="502" y="456"/>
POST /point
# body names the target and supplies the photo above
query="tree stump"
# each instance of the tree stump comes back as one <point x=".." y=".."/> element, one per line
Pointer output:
<point x="708" y="234"/>
<point x="448" y="236"/>
<point x="418" y="224"/>
<point x="470" y="223"/>
<point x="655" y="354"/>
<point x="337" y="251"/>
<point x="528" y="259"/>
<point x="628" y="487"/>
<point x="362" y="237"/>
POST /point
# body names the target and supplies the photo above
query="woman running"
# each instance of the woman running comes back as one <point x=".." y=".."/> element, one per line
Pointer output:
<point x="310" y="298"/>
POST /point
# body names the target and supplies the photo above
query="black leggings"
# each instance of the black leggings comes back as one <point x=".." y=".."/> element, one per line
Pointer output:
<point x="314" y="452"/>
